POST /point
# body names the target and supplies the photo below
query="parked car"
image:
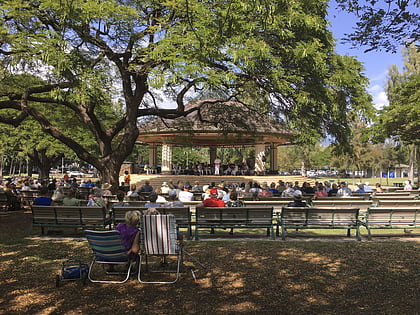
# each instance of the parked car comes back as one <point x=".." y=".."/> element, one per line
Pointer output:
<point x="76" y="174"/>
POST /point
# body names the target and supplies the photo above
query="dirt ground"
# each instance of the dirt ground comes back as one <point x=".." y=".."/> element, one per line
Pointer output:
<point x="325" y="275"/>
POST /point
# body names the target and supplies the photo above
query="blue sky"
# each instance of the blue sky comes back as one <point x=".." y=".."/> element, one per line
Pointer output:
<point x="376" y="63"/>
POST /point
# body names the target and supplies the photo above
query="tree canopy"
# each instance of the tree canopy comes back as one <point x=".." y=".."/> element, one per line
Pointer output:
<point x="386" y="24"/>
<point x="108" y="62"/>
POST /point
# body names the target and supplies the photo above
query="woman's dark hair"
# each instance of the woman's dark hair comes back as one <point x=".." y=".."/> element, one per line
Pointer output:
<point x="120" y="195"/>
<point x="153" y="197"/>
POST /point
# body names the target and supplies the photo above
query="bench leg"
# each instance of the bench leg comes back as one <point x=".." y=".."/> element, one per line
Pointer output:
<point x="283" y="233"/>
<point x="189" y="232"/>
<point x="358" y="233"/>
<point x="196" y="233"/>
<point x="348" y="233"/>
<point x="369" y="235"/>
<point x="273" y="236"/>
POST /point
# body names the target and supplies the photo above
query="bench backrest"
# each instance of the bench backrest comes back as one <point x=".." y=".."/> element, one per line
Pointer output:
<point x="68" y="215"/>
<point x="296" y="216"/>
<point x="182" y="214"/>
<point x="399" y="203"/>
<point x="234" y="215"/>
<point x="43" y="215"/>
<point x="388" y="216"/>
<point x="3" y="197"/>
<point x="361" y="204"/>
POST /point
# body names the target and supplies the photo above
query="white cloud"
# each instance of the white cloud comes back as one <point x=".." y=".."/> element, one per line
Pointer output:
<point x="380" y="99"/>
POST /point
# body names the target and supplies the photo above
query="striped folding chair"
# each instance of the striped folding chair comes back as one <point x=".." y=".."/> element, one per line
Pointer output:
<point x="158" y="237"/>
<point x="108" y="250"/>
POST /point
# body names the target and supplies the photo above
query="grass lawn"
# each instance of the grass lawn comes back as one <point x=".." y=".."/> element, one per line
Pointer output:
<point x="300" y="276"/>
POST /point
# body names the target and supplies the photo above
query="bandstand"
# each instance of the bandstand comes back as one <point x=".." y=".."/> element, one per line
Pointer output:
<point x="216" y="125"/>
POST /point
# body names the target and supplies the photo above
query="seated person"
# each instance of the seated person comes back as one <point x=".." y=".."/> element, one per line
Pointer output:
<point x="160" y="198"/>
<point x="378" y="188"/>
<point x="70" y="199"/>
<point x="185" y="195"/>
<point x="120" y="198"/>
<point x="297" y="202"/>
<point x="173" y="202"/>
<point x="152" y="201"/>
<point x="130" y="234"/>
<point x="197" y="187"/>
<point x="234" y="202"/>
<point x="96" y="199"/>
<point x="44" y="198"/>
<point x="273" y="189"/>
<point x="333" y="191"/>
<point x="106" y="189"/>
<point x="360" y="189"/>
<point x="146" y="188"/>
<point x="213" y="200"/>
<point x="58" y="195"/>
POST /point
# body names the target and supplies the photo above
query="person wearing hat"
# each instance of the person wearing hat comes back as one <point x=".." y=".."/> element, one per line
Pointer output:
<point x="213" y="200"/>
<point x="288" y="192"/>
<point x="165" y="188"/>
<point x="297" y="202"/>
<point x="106" y="189"/>
<point x="344" y="191"/>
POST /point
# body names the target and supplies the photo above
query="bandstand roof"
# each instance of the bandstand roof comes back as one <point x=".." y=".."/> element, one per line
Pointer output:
<point x="215" y="124"/>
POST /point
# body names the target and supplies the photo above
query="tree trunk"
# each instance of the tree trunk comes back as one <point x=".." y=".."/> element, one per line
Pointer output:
<point x="110" y="173"/>
<point x="44" y="162"/>
<point x="412" y="162"/>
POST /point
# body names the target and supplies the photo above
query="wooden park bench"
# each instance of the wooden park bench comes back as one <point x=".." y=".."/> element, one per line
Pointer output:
<point x="27" y="197"/>
<point x="391" y="218"/>
<point x="363" y="205"/>
<point x="68" y="216"/>
<point x="4" y="204"/>
<point x="397" y="203"/>
<point x="232" y="217"/>
<point x="182" y="215"/>
<point x="318" y="218"/>
<point x="382" y="197"/>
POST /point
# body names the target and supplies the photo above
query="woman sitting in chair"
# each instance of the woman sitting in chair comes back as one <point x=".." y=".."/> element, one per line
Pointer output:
<point x="130" y="234"/>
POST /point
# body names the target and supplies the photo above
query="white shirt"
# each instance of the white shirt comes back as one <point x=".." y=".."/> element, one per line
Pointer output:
<point x="185" y="196"/>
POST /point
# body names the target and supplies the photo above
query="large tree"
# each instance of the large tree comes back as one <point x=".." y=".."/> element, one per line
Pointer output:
<point x="400" y="120"/>
<point x="273" y="56"/>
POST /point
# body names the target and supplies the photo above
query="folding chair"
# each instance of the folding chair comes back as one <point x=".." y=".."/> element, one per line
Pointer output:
<point x="108" y="250"/>
<point x="158" y="237"/>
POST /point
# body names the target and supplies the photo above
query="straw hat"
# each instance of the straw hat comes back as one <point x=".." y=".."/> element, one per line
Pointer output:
<point x="106" y="186"/>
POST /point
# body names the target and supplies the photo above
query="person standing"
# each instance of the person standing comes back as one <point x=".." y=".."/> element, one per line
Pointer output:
<point x="127" y="179"/>
<point x="217" y="163"/>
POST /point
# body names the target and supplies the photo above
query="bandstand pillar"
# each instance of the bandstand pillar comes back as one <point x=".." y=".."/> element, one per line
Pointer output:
<point x="260" y="159"/>
<point x="152" y="155"/>
<point x="274" y="165"/>
<point x="166" y="159"/>
<point x="213" y="154"/>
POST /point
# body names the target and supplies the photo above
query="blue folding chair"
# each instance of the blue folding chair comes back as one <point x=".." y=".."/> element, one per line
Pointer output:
<point x="108" y="250"/>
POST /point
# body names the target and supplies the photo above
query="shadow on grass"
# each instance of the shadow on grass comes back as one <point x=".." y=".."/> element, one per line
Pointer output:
<point x="241" y="277"/>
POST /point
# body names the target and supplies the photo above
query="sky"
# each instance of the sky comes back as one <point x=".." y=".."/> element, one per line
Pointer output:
<point x="376" y="63"/>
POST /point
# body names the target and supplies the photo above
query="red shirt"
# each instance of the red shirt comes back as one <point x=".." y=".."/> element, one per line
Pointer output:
<point x="213" y="202"/>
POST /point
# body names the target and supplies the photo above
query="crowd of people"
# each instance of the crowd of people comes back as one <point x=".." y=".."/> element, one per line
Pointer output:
<point x="174" y="194"/>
